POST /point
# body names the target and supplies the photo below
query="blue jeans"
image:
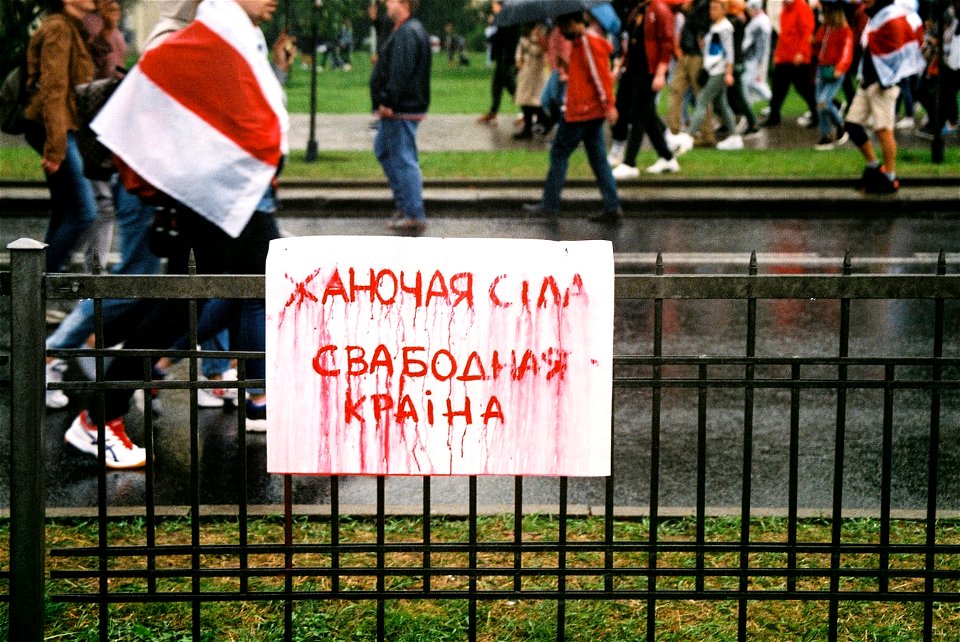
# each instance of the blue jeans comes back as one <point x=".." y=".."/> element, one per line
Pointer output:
<point x="829" y="114"/>
<point x="73" y="206"/>
<point x="569" y="136"/>
<point x="133" y="220"/>
<point x="396" y="149"/>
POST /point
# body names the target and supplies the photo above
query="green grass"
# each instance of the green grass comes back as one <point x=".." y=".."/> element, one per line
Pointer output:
<point x="457" y="90"/>
<point x="18" y="163"/>
<point x="530" y="619"/>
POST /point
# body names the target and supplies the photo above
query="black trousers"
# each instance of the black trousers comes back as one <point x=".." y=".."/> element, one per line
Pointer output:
<point x="644" y="120"/>
<point x="802" y="78"/>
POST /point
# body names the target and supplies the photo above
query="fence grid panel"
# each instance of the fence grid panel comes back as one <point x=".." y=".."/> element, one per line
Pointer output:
<point x="632" y="545"/>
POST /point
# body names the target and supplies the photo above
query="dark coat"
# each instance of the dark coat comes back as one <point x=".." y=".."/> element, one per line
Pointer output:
<point x="401" y="77"/>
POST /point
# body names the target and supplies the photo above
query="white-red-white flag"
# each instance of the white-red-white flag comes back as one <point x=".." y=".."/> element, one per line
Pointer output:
<point x="202" y="116"/>
<point x="894" y="37"/>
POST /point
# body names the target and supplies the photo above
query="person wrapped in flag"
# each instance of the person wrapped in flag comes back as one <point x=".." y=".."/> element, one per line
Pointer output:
<point x="211" y="147"/>
<point x="891" y="45"/>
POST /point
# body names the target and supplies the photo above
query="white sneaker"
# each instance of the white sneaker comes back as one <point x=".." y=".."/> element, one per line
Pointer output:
<point x="731" y="143"/>
<point x="683" y="143"/>
<point x="218" y="397"/>
<point x="625" y="172"/>
<point x="56" y="399"/>
<point x="906" y="122"/>
<point x="805" y="119"/>
<point x="120" y="451"/>
<point x="664" y="166"/>
<point x="615" y="157"/>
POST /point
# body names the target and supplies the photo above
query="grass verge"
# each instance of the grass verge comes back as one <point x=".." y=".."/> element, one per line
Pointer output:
<point x="18" y="163"/>
<point x="524" y="619"/>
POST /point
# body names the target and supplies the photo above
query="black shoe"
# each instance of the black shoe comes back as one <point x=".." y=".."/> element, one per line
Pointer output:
<point x="751" y="131"/>
<point x="610" y="216"/>
<point x="537" y="209"/>
<point x="770" y="121"/>
<point x="882" y="184"/>
<point x="869" y="178"/>
<point x="524" y="134"/>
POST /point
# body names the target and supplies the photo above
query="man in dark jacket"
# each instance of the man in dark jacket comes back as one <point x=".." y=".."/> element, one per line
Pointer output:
<point x="400" y="87"/>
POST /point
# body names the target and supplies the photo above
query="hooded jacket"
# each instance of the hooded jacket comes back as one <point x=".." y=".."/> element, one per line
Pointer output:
<point x="589" y="81"/>
<point x="796" y="27"/>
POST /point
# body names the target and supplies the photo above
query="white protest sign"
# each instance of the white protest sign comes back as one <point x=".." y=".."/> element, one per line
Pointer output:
<point x="429" y="356"/>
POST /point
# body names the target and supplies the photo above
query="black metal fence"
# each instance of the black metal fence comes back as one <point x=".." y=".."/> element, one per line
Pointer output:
<point x="877" y="365"/>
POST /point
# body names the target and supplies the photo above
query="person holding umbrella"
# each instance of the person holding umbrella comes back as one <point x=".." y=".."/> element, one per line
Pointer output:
<point x="589" y="103"/>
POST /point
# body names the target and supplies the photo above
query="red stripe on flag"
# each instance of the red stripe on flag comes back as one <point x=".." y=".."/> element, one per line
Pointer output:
<point x="892" y="35"/>
<point x="208" y="76"/>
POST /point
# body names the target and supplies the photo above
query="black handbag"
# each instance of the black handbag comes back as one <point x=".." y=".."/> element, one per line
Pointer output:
<point x="91" y="97"/>
<point x="13" y="101"/>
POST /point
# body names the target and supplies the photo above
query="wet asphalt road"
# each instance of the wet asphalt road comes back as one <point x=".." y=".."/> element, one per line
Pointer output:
<point x="808" y="328"/>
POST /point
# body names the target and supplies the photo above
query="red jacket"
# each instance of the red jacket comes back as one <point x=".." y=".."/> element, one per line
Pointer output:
<point x="589" y="81"/>
<point x="658" y="36"/>
<point x="796" y="26"/>
<point x="834" y="46"/>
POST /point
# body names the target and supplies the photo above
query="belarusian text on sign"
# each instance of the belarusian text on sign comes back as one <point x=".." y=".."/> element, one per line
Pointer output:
<point x="426" y="356"/>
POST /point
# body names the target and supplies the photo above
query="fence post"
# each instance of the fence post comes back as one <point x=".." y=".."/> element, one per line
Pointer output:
<point x="27" y="453"/>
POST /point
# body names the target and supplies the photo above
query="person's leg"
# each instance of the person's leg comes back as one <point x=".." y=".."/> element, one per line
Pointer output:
<point x="737" y="97"/>
<point x="832" y="112"/>
<point x="567" y="138"/>
<point x="802" y="78"/>
<point x="824" y="99"/>
<point x="73" y="205"/>
<point x="678" y="86"/>
<point x="133" y="229"/>
<point x="625" y="105"/>
<point x="596" y="148"/>
<point x="407" y="168"/>
<point x="708" y="93"/>
<point x="726" y="113"/>
<point x="781" y="84"/>
<point x="214" y="367"/>
<point x="96" y="242"/>
<point x="497" y="85"/>
<point x="384" y="149"/>
<point x="636" y="114"/>
<point x="888" y="148"/>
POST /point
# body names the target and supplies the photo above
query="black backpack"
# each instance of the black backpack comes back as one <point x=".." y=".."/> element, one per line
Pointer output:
<point x="13" y="100"/>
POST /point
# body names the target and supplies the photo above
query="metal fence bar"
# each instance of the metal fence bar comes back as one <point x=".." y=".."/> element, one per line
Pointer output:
<point x="793" y="474"/>
<point x="288" y="565"/>
<point x="886" y="478"/>
<point x="27" y="412"/>
<point x="381" y="558"/>
<point x="657" y="393"/>
<point x="933" y="473"/>
<point x="746" y="490"/>
<point x="838" y="461"/>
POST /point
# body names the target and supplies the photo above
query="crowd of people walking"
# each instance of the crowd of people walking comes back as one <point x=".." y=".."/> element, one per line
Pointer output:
<point x="720" y="71"/>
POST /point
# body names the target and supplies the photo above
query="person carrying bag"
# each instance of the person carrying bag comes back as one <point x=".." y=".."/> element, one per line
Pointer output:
<point x="59" y="59"/>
